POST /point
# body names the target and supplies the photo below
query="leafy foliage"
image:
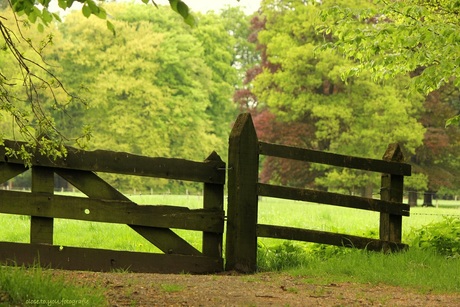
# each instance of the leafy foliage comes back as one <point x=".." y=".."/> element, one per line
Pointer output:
<point x="437" y="159"/>
<point x="442" y="237"/>
<point x="25" y="106"/>
<point x="153" y="89"/>
<point x="39" y="11"/>
<point x="301" y="85"/>
<point x="26" y="85"/>
<point x="280" y="257"/>
<point x="420" y="37"/>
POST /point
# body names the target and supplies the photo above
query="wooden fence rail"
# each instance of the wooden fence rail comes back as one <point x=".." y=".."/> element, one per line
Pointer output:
<point x="244" y="189"/>
<point x="106" y="204"/>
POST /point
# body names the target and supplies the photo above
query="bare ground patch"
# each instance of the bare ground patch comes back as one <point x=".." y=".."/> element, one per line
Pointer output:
<point x="265" y="289"/>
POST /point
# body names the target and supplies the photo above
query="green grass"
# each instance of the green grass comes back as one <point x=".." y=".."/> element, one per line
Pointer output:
<point x="170" y="288"/>
<point x="417" y="269"/>
<point x="37" y="287"/>
<point x="337" y="219"/>
<point x="94" y="235"/>
<point x="271" y="211"/>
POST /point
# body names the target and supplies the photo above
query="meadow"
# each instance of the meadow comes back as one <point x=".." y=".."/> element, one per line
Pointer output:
<point x="271" y="211"/>
<point x="426" y="271"/>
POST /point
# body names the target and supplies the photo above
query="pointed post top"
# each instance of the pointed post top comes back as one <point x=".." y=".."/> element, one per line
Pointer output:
<point x="242" y="123"/>
<point x="214" y="156"/>
<point x="393" y="153"/>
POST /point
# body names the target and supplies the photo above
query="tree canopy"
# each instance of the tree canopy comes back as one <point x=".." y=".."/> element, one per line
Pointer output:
<point x="389" y="38"/>
<point x="347" y="76"/>
<point x="39" y="82"/>
<point x="300" y="85"/>
<point x="40" y="10"/>
<point x="157" y="88"/>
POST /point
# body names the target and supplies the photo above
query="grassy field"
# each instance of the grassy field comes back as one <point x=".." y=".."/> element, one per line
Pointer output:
<point x="271" y="211"/>
<point x="422" y="270"/>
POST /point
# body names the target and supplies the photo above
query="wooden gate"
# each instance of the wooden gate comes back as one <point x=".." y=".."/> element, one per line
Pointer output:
<point x="244" y="190"/>
<point x="106" y="204"/>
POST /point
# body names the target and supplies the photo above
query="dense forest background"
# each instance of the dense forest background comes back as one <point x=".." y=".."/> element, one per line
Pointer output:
<point x="161" y="88"/>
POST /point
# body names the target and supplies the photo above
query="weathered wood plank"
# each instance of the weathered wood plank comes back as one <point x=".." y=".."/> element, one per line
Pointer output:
<point x="129" y="164"/>
<point x="392" y="187"/>
<point x="243" y="163"/>
<point x="213" y="198"/>
<point x="166" y="240"/>
<point x="41" y="227"/>
<point x="90" y="184"/>
<point x="322" y="157"/>
<point x="73" y="258"/>
<point x="93" y="186"/>
<point x="111" y="211"/>
<point x="8" y="171"/>
<point x="337" y="239"/>
<point x="335" y="199"/>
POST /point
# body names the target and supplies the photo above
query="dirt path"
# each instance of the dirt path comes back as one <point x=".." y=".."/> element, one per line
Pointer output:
<point x="267" y="289"/>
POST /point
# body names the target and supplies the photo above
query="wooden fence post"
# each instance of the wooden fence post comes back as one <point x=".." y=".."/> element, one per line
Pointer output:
<point x="41" y="228"/>
<point x="392" y="190"/>
<point x="243" y="169"/>
<point x="213" y="198"/>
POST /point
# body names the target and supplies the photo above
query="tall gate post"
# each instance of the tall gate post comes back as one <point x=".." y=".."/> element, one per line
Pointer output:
<point x="243" y="169"/>
<point x="392" y="190"/>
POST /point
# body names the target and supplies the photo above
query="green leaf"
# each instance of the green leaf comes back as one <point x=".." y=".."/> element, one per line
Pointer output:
<point x="93" y="6"/>
<point x="40" y="27"/>
<point x="111" y="27"/>
<point x="32" y="17"/>
<point x="183" y="9"/>
<point x="173" y="4"/>
<point x="69" y="3"/>
<point x="57" y="17"/>
<point x="453" y="121"/>
<point x="101" y="14"/>
<point x="190" y="20"/>
<point x="147" y="1"/>
<point x="47" y="17"/>
<point x="86" y="11"/>
<point x="62" y="4"/>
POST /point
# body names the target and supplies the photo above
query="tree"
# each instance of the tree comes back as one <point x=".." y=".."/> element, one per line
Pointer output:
<point x="437" y="159"/>
<point x="268" y="127"/>
<point x="298" y="82"/>
<point x="160" y="90"/>
<point x="26" y="84"/>
<point x="40" y="10"/>
<point x="419" y="38"/>
<point x="416" y="37"/>
<point x="38" y="80"/>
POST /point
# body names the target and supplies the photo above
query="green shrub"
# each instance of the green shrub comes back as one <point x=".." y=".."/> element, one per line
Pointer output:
<point x="324" y="251"/>
<point x="280" y="257"/>
<point x="442" y="237"/>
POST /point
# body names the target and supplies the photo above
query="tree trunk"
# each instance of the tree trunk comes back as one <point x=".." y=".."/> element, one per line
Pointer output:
<point x="367" y="190"/>
<point x="428" y="199"/>
<point x="413" y="195"/>
<point x="60" y="184"/>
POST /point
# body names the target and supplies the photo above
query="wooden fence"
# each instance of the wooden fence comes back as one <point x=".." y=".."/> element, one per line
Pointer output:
<point x="154" y="222"/>
<point x="106" y="204"/>
<point x="244" y="190"/>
